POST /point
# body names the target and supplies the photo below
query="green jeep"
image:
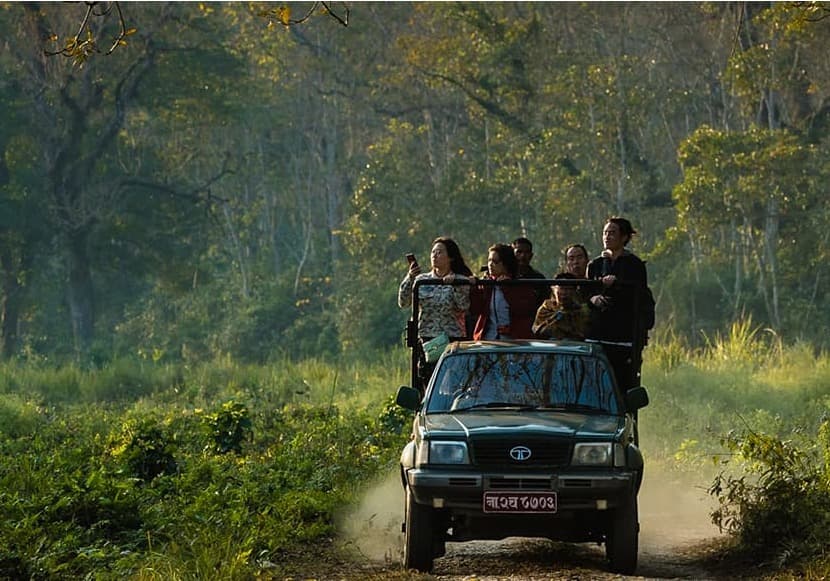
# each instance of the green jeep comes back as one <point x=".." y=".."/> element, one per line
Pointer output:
<point x="522" y="438"/>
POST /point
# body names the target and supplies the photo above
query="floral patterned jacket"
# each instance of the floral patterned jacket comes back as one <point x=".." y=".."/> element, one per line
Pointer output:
<point x="441" y="307"/>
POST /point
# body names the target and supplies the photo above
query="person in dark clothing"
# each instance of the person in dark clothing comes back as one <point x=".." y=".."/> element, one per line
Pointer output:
<point x="614" y="321"/>
<point x="523" y="249"/>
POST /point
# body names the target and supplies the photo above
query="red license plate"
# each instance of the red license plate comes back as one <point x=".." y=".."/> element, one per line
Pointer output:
<point x="519" y="502"/>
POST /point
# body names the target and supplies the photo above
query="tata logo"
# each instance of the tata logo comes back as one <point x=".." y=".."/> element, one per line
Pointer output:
<point x="520" y="453"/>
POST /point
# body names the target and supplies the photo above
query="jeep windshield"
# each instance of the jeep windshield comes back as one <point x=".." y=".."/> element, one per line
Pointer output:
<point x="523" y="381"/>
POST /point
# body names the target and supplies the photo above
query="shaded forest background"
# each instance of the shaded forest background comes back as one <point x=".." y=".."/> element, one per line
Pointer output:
<point x="221" y="187"/>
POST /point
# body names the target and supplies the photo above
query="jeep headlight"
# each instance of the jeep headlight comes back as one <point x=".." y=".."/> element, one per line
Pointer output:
<point x="438" y="452"/>
<point x="593" y="454"/>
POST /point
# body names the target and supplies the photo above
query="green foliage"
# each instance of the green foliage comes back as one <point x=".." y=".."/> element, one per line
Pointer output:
<point x="206" y="229"/>
<point x="393" y="419"/>
<point x="144" y="450"/>
<point x="778" y="507"/>
<point x="770" y="477"/>
<point x="229" y="427"/>
<point x="742" y="347"/>
<point x="244" y="202"/>
<point x="743" y="203"/>
<point x="19" y="417"/>
<point x="275" y="323"/>
<point x="126" y="488"/>
<point x="123" y="379"/>
<point x="667" y="350"/>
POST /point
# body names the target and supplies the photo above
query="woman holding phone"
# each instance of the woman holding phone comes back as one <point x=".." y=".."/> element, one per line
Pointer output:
<point x="443" y="308"/>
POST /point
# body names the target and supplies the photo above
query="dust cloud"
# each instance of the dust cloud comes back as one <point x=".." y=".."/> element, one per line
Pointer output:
<point x="674" y="511"/>
<point x="373" y="528"/>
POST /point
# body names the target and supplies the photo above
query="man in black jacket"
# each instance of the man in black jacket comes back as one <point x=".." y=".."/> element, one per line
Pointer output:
<point x="617" y="302"/>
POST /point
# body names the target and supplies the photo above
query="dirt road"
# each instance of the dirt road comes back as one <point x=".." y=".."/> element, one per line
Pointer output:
<point x="676" y="533"/>
<point x="534" y="560"/>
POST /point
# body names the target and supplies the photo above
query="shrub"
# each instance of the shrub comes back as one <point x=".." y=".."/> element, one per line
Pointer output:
<point x="744" y="346"/>
<point x="122" y="379"/>
<point x="228" y="427"/>
<point x="778" y="506"/>
<point x="18" y="417"/>
<point x="144" y="450"/>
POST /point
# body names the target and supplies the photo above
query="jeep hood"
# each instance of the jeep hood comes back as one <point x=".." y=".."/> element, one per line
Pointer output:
<point x="492" y="423"/>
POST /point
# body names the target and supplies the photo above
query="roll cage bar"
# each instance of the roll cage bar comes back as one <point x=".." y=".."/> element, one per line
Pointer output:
<point x="412" y="339"/>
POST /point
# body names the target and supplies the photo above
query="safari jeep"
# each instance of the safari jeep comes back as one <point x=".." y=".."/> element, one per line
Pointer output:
<point x="522" y="438"/>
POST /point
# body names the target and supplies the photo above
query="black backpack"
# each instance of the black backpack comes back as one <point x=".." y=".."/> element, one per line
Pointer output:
<point x="646" y="308"/>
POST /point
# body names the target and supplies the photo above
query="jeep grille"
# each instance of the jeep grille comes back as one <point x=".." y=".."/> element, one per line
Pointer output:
<point x="545" y="452"/>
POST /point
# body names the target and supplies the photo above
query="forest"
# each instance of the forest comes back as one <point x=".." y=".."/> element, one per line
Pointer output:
<point x="224" y="185"/>
<point x="204" y="213"/>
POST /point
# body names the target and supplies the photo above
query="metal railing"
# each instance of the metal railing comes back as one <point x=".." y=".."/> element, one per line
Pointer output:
<point x="413" y="340"/>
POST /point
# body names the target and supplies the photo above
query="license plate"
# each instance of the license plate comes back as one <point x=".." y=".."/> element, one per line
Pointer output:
<point x="519" y="502"/>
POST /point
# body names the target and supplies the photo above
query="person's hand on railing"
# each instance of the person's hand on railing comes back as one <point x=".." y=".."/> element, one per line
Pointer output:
<point x="599" y="301"/>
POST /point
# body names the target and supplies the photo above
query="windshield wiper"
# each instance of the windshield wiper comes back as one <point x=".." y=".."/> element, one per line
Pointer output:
<point x="495" y="405"/>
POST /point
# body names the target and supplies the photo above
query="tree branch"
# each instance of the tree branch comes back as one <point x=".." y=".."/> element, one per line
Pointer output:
<point x="199" y="194"/>
<point x="488" y="105"/>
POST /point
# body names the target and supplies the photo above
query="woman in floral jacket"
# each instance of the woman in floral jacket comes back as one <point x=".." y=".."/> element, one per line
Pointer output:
<point x="442" y="308"/>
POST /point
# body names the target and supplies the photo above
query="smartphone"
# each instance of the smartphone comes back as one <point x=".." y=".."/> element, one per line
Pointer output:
<point x="410" y="258"/>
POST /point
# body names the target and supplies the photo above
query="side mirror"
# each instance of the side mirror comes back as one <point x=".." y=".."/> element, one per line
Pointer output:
<point x="636" y="398"/>
<point x="408" y="398"/>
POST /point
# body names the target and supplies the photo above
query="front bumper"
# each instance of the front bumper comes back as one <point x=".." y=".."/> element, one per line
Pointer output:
<point x="577" y="490"/>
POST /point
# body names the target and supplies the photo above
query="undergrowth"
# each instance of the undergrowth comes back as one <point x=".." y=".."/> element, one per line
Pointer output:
<point x="776" y="502"/>
<point x="204" y="473"/>
<point x="155" y="471"/>
<point x="749" y="415"/>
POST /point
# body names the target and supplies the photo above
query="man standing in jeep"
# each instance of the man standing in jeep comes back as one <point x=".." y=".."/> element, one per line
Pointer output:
<point x="616" y="323"/>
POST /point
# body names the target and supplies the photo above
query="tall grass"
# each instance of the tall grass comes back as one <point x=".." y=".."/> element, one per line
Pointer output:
<point x="349" y="381"/>
<point x="746" y="378"/>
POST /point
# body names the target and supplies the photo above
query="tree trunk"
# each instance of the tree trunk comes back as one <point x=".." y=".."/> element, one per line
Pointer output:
<point x="334" y="190"/>
<point x="737" y="245"/>
<point x="12" y="294"/>
<point x="770" y="247"/>
<point x="80" y="292"/>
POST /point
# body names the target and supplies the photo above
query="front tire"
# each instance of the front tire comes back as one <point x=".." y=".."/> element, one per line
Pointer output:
<point x="420" y="525"/>
<point x="622" y="541"/>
